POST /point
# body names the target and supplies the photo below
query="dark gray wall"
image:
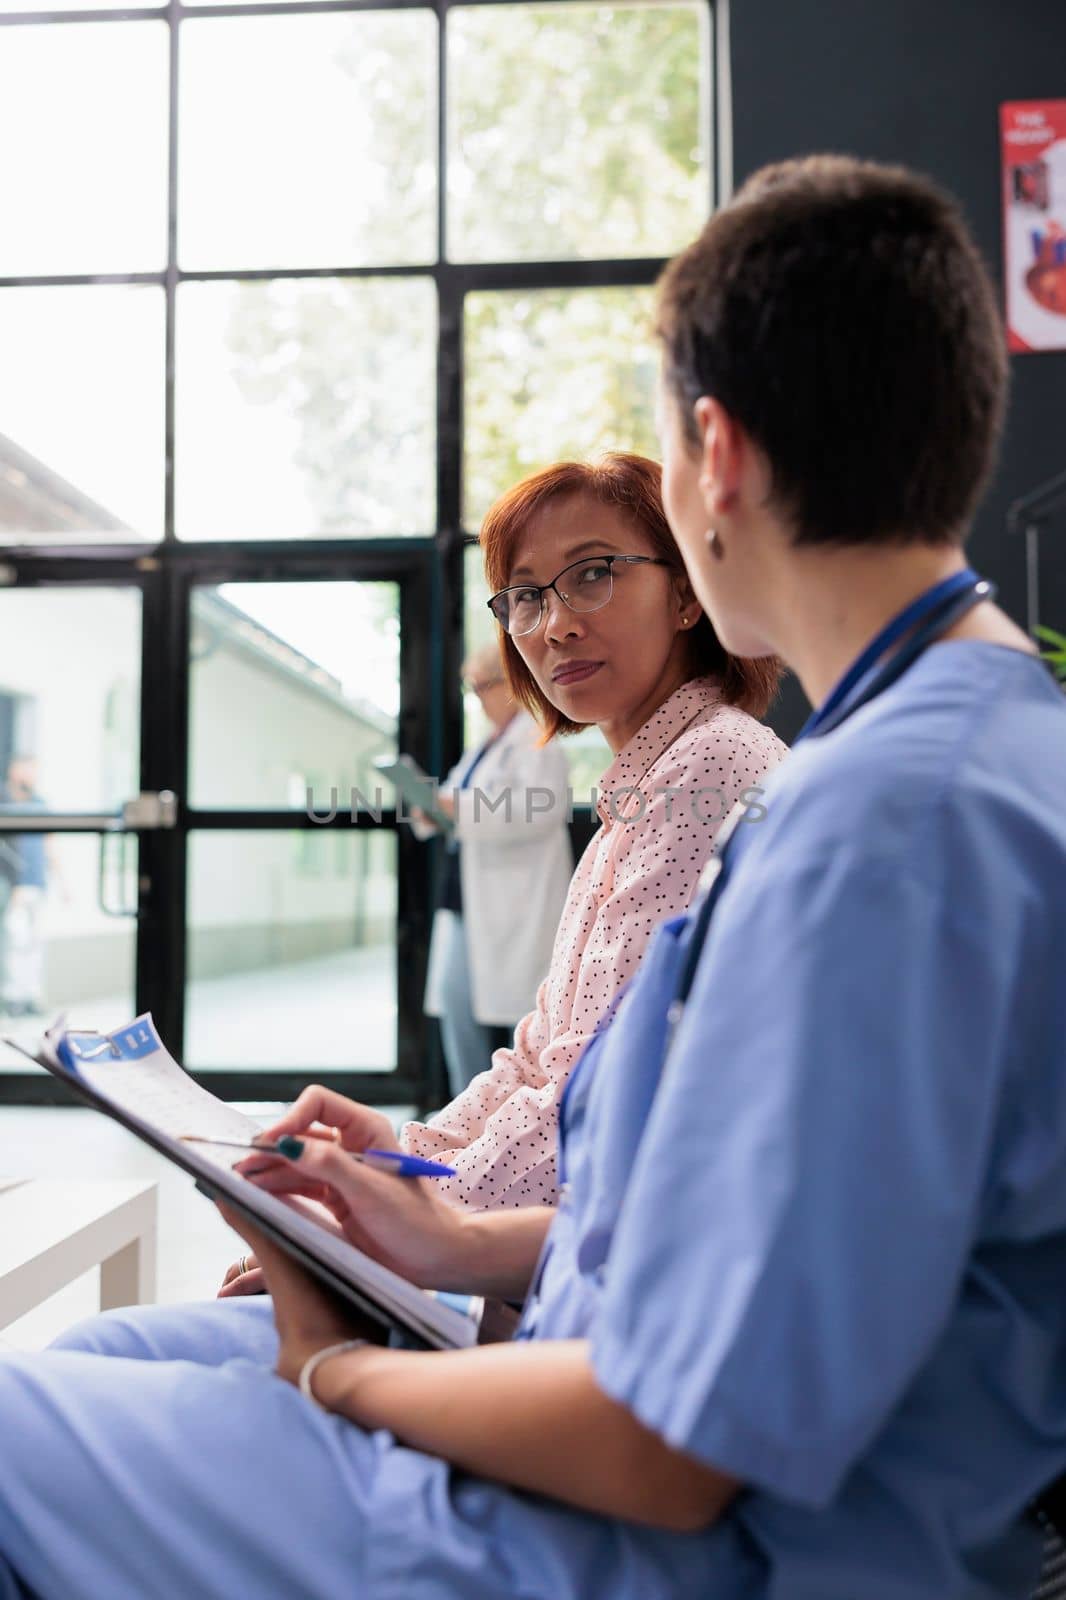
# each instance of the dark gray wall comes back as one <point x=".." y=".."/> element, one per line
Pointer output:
<point x="921" y="82"/>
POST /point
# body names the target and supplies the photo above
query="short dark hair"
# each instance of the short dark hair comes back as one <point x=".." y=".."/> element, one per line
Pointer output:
<point x="630" y="484"/>
<point x="840" y="312"/>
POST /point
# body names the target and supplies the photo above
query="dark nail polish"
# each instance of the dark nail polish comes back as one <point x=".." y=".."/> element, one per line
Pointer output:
<point x="289" y="1147"/>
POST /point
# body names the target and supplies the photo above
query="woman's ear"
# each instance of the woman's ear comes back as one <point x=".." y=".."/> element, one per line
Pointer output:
<point x="689" y="609"/>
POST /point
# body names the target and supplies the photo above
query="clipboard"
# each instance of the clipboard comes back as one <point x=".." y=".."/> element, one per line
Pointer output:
<point x="81" y="1057"/>
<point x="416" y="788"/>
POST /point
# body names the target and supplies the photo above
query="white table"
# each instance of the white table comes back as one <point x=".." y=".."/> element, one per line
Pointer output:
<point x="51" y="1231"/>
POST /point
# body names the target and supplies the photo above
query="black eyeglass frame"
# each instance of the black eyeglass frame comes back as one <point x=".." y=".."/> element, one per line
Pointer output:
<point x="542" y="588"/>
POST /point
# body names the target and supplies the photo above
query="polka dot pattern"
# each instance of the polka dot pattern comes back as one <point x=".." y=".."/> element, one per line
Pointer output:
<point x="661" y="803"/>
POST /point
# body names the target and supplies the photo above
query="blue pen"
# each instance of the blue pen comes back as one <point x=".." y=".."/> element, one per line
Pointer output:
<point x="397" y="1162"/>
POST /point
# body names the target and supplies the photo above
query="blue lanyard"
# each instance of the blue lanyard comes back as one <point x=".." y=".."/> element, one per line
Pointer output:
<point x="465" y="780"/>
<point x="452" y="846"/>
<point x="930" y="608"/>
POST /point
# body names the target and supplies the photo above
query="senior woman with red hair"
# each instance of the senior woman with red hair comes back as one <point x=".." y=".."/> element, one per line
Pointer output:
<point x="599" y="625"/>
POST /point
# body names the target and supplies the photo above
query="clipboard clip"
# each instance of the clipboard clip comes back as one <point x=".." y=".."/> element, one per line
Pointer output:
<point x="98" y="1050"/>
<point x="107" y="1044"/>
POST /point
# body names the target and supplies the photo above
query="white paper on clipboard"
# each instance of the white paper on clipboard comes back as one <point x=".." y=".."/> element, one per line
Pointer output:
<point x="132" y="1071"/>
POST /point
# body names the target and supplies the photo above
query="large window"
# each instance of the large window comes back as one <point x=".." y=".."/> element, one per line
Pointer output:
<point x="288" y="294"/>
<point x="316" y="242"/>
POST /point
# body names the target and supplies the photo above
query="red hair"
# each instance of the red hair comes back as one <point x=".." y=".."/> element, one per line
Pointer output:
<point x="632" y="485"/>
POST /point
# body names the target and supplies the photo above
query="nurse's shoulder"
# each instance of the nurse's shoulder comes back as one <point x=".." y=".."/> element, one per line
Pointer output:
<point x="966" y="752"/>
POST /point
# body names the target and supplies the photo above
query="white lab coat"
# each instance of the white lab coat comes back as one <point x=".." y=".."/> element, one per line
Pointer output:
<point x="515" y="865"/>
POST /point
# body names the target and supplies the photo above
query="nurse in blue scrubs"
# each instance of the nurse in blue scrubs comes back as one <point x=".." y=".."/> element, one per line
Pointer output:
<point x="798" y="1328"/>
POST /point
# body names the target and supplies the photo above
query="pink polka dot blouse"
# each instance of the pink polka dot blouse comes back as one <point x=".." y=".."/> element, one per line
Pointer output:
<point x="661" y="803"/>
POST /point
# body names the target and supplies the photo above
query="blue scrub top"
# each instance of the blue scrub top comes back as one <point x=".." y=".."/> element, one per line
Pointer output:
<point x="823" y="1248"/>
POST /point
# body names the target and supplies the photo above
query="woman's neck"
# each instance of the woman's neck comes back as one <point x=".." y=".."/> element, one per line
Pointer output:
<point x="618" y="731"/>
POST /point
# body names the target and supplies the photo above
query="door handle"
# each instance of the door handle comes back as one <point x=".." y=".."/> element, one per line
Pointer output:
<point x="144" y="813"/>
<point x="14" y="821"/>
<point x="150" y="810"/>
<point x="123" y="841"/>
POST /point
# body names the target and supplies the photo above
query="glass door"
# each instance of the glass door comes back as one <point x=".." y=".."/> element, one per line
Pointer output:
<point x="306" y="898"/>
<point x="291" y="956"/>
<point x="191" y="821"/>
<point x="71" y="810"/>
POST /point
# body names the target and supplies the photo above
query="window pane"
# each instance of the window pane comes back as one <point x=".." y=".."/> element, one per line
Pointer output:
<point x="305" y="407"/>
<point x="479" y="628"/>
<point x="308" y="141"/>
<point x="70" y="740"/>
<point x="85" y="107"/>
<point x="292" y="951"/>
<point x="293" y="686"/>
<point x="59" y="950"/>
<point x="81" y="413"/>
<point x="619" y="165"/>
<point x="588" y="364"/>
<point x="81" y="727"/>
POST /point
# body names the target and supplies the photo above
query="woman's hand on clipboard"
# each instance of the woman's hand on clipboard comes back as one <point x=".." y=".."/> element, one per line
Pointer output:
<point x="400" y="1222"/>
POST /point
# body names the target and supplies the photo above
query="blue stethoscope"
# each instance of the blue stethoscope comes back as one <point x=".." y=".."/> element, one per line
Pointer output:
<point x="907" y="635"/>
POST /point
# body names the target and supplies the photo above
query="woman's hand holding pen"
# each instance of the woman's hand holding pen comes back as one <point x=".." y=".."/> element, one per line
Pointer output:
<point x="400" y="1222"/>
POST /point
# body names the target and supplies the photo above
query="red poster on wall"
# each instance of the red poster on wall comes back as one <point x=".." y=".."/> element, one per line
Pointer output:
<point x="1033" y="146"/>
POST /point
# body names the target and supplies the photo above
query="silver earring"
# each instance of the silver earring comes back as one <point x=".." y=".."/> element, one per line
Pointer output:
<point x="711" y="537"/>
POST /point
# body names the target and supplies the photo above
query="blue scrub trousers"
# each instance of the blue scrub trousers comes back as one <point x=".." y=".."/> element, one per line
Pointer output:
<point x="166" y="1463"/>
<point x="152" y="1454"/>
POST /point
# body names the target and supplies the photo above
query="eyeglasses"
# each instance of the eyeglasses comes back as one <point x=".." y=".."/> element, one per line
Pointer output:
<point x="520" y="608"/>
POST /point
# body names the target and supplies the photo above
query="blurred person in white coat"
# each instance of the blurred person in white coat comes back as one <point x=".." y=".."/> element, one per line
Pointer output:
<point x="507" y="869"/>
